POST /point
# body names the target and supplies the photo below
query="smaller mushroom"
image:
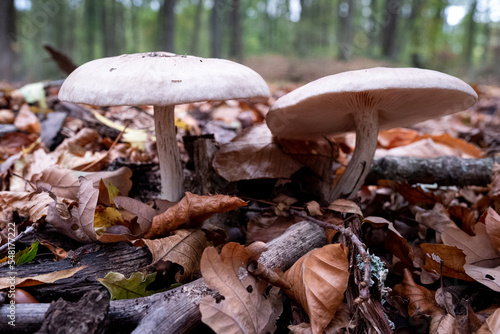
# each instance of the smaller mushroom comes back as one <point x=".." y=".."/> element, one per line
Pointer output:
<point x="364" y="101"/>
<point x="163" y="80"/>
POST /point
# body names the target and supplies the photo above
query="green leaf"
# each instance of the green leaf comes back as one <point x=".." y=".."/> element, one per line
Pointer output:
<point x="28" y="254"/>
<point x="122" y="288"/>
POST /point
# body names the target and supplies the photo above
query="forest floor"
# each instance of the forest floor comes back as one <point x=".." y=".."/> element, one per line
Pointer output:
<point x="87" y="180"/>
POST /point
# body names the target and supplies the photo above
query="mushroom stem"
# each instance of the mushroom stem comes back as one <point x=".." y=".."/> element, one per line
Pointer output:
<point x="172" y="177"/>
<point x="357" y="169"/>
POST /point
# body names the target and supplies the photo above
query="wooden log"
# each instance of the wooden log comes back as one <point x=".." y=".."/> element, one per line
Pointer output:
<point x="176" y="311"/>
<point x="445" y="171"/>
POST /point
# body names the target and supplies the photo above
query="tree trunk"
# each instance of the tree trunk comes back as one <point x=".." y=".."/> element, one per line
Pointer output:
<point x="92" y="21"/>
<point x="346" y="12"/>
<point x="168" y="25"/>
<point x="195" y="38"/>
<point x="215" y="30"/>
<point x="236" y="50"/>
<point x="470" y="35"/>
<point x="7" y="39"/>
<point x="389" y="32"/>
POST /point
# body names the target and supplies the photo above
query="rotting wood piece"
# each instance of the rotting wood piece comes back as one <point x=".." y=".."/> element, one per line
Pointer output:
<point x="100" y="259"/>
<point x="156" y="313"/>
<point x="87" y="316"/>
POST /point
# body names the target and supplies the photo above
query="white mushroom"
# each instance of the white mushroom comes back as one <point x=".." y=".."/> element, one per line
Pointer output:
<point x="163" y="80"/>
<point x="364" y="101"/>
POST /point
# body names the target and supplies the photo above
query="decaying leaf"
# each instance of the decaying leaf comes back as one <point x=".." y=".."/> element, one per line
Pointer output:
<point x="492" y="222"/>
<point x="420" y="299"/>
<point x="120" y="287"/>
<point x="184" y="248"/>
<point x="319" y="280"/>
<point x="246" y="307"/>
<point x="443" y="324"/>
<point x="452" y="259"/>
<point x="492" y="324"/>
<point x="253" y="155"/>
<point x="338" y="325"/>
<point x="40" y="279"/>
<point x="65" y="182"/>
<point x="345" y="206"/>
<point x="78" y="222"/>
<point x="33" y="205"/>
<point x="192" y="208"/>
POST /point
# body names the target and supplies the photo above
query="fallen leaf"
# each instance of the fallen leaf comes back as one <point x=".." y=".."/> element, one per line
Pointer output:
<point x="318" y="281"/>
<point x="40" y="279"/>
<point x="184" y="248"/>
<point x="479" y="249"/>
<point x="420" y="299"/>
<point x="253" y="155"/>
<point x="192" y="208"/>
<point x="340" y="322"/>
<point x="28" y="254"/>
<point x="27" y="121"/>
<point x="492" y="222"/>
<point x="77" y="221"/>
<point x="345" y="206"/>
<point x="394" y="241"/>
<point x="492" y="324"/>
<point x="246" y="307"/>
<point x="120" y="287"/>
<point x="33" y="205"/>
<point x="452" y="258"/>
<point x="65" y="182"/>
<point x="443" y="324"/>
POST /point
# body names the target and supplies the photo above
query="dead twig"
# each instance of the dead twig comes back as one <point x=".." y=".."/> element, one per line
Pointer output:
<point x="29" y="229"/>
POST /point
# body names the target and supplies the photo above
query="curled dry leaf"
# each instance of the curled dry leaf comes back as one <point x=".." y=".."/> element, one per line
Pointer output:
<point x="253" y="155"/>
<point x="77" y="221"/>
<point x="184" y="248"/>
<point x="452" y="259"/>
<point x="394" y="241"/>
<point x="192" y="208"/>
<point x="33" y="205"/>
<point x="420" y="299"/>
<point x="318" y="281"/>
<point x="40" y="279"/>
<point x="65" y="182"/>
<point x="345" y="206"/>
<point x="246" y="306"/>
<point x="479" y="249"/>
<point x="492" y="222"/>
<point x="492" y="324"/>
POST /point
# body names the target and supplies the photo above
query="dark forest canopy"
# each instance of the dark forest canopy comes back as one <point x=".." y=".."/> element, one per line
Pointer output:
<point x="457" y="36"/>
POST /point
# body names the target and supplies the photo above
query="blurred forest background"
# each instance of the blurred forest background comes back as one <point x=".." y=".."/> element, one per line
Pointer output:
<point x="274" y="37"/>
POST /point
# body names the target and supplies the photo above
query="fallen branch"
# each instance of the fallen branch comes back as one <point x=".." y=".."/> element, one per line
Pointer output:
<point x="176" y="311"/>
<point x="445" y="171"/>
<point x="29" y="229"/>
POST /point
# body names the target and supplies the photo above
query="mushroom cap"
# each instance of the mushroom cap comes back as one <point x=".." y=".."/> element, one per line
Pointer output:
<point x="161" y="78"/>
<point x="400" y="96"/>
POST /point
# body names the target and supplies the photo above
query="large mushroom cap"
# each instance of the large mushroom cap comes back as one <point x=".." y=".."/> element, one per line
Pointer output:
<point x="401" y="96"/>
<point x="161" y="78"/>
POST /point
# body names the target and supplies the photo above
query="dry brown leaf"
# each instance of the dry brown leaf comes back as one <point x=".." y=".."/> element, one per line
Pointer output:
<point x="345" y="206"/>
<point x="492" y="324"/>
<point x="58" y="252"/>
<point x="420" y="299"/>
<point x="192" y="208"/>
<point x="77" y="222"/>
<point x="184" y="248"/>
<point x="495" y="181"/>
<point x="443" y="324"/>
<point x="33" y="205"/>
<point x="479" y="249"/>
<point x="466" y="215"/>
<point x="492" y="222"/>
<point x="436" y="219"/>
<point x="339" y="323"/>
<point x="253" y="155"/>
<point x="319" y="280"/>
<point x="397" y="137"/>
<point x="65" y="181"/>
<point x="394" y="241"/>
<point x="246" y="307"/>
<point x="40" y="279"/>
<point x="27" y="121"/>
<point x="453" y="260"/>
